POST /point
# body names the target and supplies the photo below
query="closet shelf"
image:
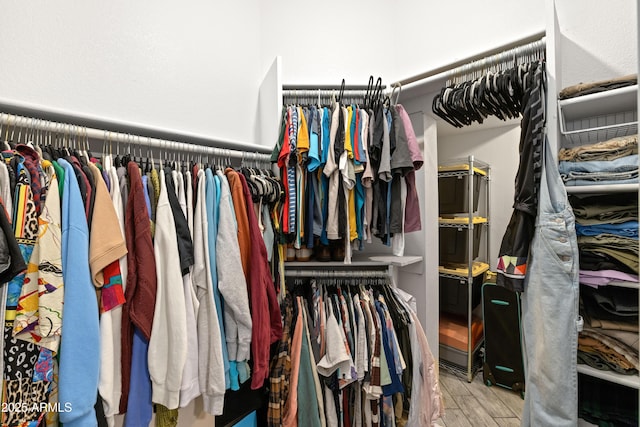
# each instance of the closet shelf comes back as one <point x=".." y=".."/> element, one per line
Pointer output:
<point x="462" y="164"/>
<point x="601" y="128"/>
<point x="462" y="272"/>
<point x="607" y="102"/>
<point x="397" y="261"/>
<point x="461" y="222"/>
<point x="599" y="117"/>
<point x="459" y="355"/>
<point x="632" y="381"/>
<point x="378" y="260"/>
<point x="606" y="188"/>
<point x="459" y="170"/>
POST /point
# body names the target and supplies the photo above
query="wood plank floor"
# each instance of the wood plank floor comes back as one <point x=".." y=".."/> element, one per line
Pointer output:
<point x="474" y="404"/>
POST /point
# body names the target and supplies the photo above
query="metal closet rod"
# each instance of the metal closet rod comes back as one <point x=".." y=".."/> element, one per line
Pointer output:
<point x="97" y="128"/>
<point x="327" y="87"/>
<point x="448" y="68"/>
<point x="352" y="274"/>
<point x="290" y="93"/>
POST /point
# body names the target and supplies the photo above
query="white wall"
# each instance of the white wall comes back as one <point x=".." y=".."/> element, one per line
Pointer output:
<point x="197" y="67"/>
<point x="597" y="42"/>
<point x="189" y="66"/>
<point x="328" y="41"/>
<point x="354" y="40"/>
<point x="430" y="34"/>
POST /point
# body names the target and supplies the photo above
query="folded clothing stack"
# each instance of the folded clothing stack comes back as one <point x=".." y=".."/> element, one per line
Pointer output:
<point x="614" y="161"/>
<point x="609" y="340"/>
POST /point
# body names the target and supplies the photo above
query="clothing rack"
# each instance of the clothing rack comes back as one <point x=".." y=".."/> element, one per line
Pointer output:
<point x="33" y="118"/>
<point x="476" y="61"/>
<point x="324" y="94"/>
<point x="321" y="96"/>
<point x="500" y="61"/>
<point x="337" y="274"/>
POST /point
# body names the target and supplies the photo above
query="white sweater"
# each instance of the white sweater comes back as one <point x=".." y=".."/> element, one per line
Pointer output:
<point x="110" y="385"/>
<point x="231" y="281"/>
<point x="210" y="361"/>
<point x="190" y="384"/>
<point x="168" y="343"/>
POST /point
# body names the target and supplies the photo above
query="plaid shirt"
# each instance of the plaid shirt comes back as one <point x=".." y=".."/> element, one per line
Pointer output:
<point x="280" y="371"/>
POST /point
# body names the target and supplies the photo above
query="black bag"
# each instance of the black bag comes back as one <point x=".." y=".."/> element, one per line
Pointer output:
<point x="503" y="365"/>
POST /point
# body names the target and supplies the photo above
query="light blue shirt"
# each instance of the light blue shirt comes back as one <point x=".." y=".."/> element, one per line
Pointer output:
<point x="80" y="343"/>
<point x="212" y="202"/>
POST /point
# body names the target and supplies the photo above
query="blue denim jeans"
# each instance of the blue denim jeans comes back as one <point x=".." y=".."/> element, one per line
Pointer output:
<point x="622" y="164"/>
<point x="550" y="317"/>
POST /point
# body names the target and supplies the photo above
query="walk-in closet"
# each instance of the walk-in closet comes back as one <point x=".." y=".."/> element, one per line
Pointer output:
<point x="347" y="214"/>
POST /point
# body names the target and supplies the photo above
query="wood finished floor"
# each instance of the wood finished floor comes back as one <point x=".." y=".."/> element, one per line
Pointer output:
<point x="476" y="405"/>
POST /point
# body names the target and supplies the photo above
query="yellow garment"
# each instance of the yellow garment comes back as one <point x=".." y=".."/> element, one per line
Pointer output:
<point x="348" y="140"/>
<point x="166" y="417"/>
<point x="353" y="227"/>
<point x="303" y="133"/>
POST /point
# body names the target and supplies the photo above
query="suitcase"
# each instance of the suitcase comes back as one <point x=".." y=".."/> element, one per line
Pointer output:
<point x="503" y="362"/>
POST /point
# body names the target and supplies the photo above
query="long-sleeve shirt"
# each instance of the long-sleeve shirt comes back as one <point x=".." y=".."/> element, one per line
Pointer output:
<point x="210" y="361"/>
<point x="168" y="342"/>
<point x="79" y="370"/>
<point x="140" y="292"/>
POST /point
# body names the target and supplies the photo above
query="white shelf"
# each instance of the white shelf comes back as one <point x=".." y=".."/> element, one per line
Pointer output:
<point x="359" y="260"/>
<point x="397" y="261"/>
<point x="601" y="103"/>
<point x="607" y="188"/>
<point x="598" y="117"/>
<point x="632" y="381"/>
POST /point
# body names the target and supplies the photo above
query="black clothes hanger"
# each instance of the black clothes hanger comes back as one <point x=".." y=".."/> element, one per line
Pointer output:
<point x="368" y="93"/>
<point x="498" y="93"/>
<point x="341" y="92"/>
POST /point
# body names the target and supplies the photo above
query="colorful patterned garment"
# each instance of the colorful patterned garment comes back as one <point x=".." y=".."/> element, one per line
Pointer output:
<point x="39" y="312"/>
<point x="112" y="294"/>
<point x="280" y="371"/>
<point x="28" y="368"/>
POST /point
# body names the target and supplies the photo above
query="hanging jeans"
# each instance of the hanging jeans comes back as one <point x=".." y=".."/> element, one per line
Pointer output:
<point x="550" y="309"/>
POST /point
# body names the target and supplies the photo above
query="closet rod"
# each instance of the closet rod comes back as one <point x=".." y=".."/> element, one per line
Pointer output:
<point x="356" y="274"/>
<point x="23" y="122"/>
<point x="97" y="126"/>
<point x="290" y="93"/>
<point x="327" y="87"/>
<point x="447" y="69"/>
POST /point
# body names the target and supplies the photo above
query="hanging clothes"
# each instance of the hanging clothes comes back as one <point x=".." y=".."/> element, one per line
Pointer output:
<point x="349" y="174"/>
<point x="103" y="245"/>
<point x="514" y="250"/>
<point x="550" y="304"/>
<point x="22" y="376"/>
<point x="110" y="385"/>
<point x="140" y="293"/>
<point x="348" y="359"/>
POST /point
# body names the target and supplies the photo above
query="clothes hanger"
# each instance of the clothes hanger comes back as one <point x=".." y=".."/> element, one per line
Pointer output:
<point x="117" y="161"/>
<point x="399" y="88"/>
<point x="341" y="92"/>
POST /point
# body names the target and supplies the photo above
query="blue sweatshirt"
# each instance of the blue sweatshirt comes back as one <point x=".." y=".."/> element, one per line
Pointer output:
<point x="80" y="343"/>
<point x="212" y="218"/>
